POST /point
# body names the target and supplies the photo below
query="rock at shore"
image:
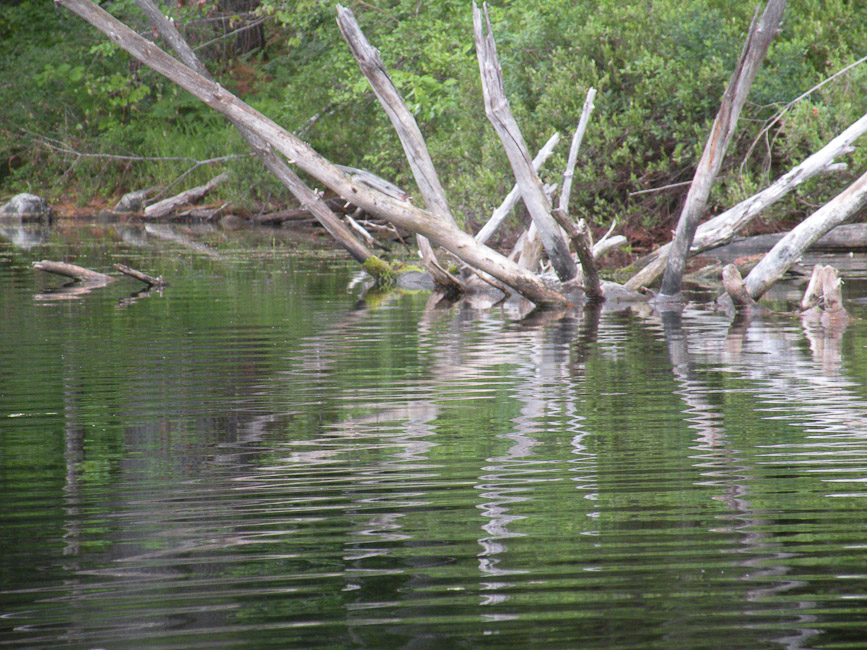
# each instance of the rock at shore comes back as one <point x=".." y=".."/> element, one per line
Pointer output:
<point x="26" y="208"/>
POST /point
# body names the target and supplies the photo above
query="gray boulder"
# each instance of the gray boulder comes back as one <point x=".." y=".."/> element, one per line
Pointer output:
<point x="133" y="201"/>
<point x="26" y="207"/>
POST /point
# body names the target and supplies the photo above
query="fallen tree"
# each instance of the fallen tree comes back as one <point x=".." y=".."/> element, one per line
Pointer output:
<point x="435" y="225"/>
<point x="273" y="137"/>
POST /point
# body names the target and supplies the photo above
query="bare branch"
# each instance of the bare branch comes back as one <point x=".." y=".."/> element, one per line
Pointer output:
<point x="500" y="116"/>
<point x="566" y="192"/>
<point x="758" y="41"/>
<point x="512" y="197"/>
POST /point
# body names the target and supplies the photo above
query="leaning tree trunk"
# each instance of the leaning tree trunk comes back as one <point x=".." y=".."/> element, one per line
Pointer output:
<point x="307" y="197"/>
<point x="500" y="115"/>
<point x="758" y="41"/>
<point x="400" y="213"/>
<point x="789" y="249"/>
<point x="410" y="137"/>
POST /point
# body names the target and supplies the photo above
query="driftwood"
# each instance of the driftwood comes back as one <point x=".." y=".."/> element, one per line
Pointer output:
<point x="149" y="280"/>
<point x="790" y="248"/>
<point x="722" y="229"/>
<point x="758" y="41"/>
<point x="73" y="271"/>
<point x="308" y="198"/>
<point x="399" y="213"/>
<point x="500" y="115"/>
<point x="734" y="285"/>
<point x="168" y="206"/>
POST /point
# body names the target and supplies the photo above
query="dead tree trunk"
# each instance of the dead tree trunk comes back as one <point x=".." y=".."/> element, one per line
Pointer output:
<point x="307" y="197"/>
<point x="398" y="212"/>
<point x="722" y="228"/>
<point x="758" y="40"/>
<point x="410" y="137"/>
<point x="790" y="248"/>
<point x="500" y="115"/>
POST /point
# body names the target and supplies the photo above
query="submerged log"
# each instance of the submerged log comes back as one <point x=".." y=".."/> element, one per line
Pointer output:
<point x="73" y="271"/>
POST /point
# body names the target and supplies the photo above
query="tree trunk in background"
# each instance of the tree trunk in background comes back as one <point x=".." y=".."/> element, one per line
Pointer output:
<point x="249" y="32"/>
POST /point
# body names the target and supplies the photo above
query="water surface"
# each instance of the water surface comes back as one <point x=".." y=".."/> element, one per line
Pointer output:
<point x="257" y="457"/>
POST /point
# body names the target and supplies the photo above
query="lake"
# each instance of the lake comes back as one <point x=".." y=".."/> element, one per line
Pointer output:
<point x="262" y="455"/>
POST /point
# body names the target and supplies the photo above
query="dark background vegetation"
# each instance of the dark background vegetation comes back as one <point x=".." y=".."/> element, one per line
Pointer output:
<point x="659" y="66"/>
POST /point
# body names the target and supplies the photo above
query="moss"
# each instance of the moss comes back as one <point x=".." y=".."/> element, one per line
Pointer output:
<point x="386" y="273"/>
<point x="379" y="270"/>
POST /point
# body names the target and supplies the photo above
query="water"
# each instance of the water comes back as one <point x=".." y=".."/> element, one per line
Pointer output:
<point x="256" y="458"/>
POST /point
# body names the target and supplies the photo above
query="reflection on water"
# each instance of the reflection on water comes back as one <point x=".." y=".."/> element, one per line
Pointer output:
<point x="254" y="458"/>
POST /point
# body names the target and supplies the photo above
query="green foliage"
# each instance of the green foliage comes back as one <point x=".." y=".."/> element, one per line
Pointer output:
<point x="659" y="66"/>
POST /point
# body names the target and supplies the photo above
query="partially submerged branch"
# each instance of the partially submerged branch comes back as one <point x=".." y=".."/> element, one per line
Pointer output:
<point x="149" y="280"/>
<point x="73" y="271"/>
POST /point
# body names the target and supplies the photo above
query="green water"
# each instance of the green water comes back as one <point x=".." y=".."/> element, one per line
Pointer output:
<point x="259" y="458"/>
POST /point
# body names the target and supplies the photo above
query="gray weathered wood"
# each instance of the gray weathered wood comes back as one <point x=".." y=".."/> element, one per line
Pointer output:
<point x="721" y="229"/>
<point x="400" y="213"/>
<point x="566" y="191"/>
<point x="581" y="243"/>
<point x="307" y="197"/>
<point x="790" y="248"/>
<point x="734" y="285"/>
<point x="758" y="41"/>
<point x="500" y="115"/>
<point x="73" y="271"/>
<point x="499" y="215"/>
<point x="410" y="135"/>
<point x="149" y="280"/>
<point x="168" y="206"/>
